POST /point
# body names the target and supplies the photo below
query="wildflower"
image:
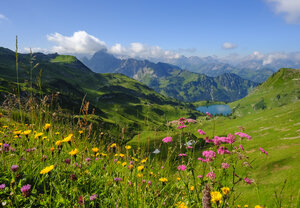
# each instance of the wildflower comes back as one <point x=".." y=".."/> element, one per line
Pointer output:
<point x="225" y="190"/>
<point x="58" y="143"/>
<point x="121" y="155"/>
<point x="140" y="168"/>
<point x="242" y="148"/>
<point x="113" y="145"/>
<point x="258" y="206"/>
<point x="68" y="138"/>
<point x="80" y="200"/>
<point x="52" y="149"/>
<point x="26" y="190"/>
<point x="47" y="169"/>
<point x="128" y="147"/>
<point x="247" y="180"/>
<point x="93" y="197"/>
<point x="37" y="135"/>
<point x="57" y="133"/>
<point x="156" y="151"/>
<point x="163" y="180"/>
<point x="223" y="150"/>
<point x="95" y="149"/>
<point x="67" y="161"/>
<point x="2" y="186"/>
<point x="181" y="205"/>
<point x="182" y="155"/>
<point x="209" y="155"/>
<point x="225" y="165"/>
<point x="211" y="175"/>
<point x="201" y="132"/>
<point x="80" y="132"/>
<point x="140" y="175"/>
<point x="73" y="177"/>
<point x="246" y="205"/>
<point x="178" y="179"/>
<point x="167" y="139"/>
<point x="207" y="113"/>
<point x="243" y="135"/>
<point x="181" y="167"/>
<point x="144" y="160"/>
<point x="47" y="126"/>
<point x="88" y="159"/>
<point x="199" y="176"/>
<point x="149" y="183"/>
<point x="215" y="196"/>
<point x="189" y="147"/>
<point x="263" y="151"/>
<point x="192" y="188"/>
<point x="14" y="168"/>
<point x="181" y="127"/>
<point x="26" y="133"/>
<point x="17" y="132"/>
<point x="74" y="152"/>
<point x="117" y="179"/>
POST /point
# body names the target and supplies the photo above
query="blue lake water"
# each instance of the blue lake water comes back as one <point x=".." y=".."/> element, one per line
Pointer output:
<point x="215" y="109"/>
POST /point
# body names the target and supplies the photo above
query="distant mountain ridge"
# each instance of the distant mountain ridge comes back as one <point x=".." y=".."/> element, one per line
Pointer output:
<point x="172" y="81"/>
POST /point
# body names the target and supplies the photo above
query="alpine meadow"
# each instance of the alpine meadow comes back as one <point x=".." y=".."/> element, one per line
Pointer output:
<point x="150" y="104"/>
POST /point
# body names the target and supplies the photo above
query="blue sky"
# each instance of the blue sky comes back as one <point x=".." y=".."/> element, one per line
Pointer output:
<point x="159" y="27"/>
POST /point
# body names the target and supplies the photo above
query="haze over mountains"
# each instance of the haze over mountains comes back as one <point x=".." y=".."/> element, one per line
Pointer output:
<point x="171" y="80"/>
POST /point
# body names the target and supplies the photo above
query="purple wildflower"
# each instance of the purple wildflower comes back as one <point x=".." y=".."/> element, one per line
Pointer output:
<point x="167" y="139"/>
<point x="211" y="175"/>
<point x="225" y="165"/>
<point x="263" y="151"/>
<point x="88" y="159"/>
<point x="14" y="168"/>
<point x="93" y="197"/>
<point x="2" y="186"/>
<point x="181" y="167"/>
<point x="247" y="180"/>
<point x="26" y="190"/>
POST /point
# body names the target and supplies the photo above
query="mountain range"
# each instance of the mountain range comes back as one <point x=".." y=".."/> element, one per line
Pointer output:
<point x="171" y="80"/>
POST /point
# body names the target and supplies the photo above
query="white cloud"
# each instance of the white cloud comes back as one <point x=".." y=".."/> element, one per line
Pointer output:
<point x="139" y="50"/>
<point x="3" y="17"/>
<point x="228" y="45"/>
<point x="79" y="43"/>
<point x="289" y="8"/>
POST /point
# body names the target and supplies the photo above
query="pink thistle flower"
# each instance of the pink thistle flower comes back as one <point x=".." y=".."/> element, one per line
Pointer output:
<point x="167" y="139"/>
<point x="200" y="131"/>
<point x="88" y="159"/>
<point x="211" y="175"/>
<point x="181" y="167"/>
<point x="26" y="190"/>
<point x="225" y="165"/>
<point x="247" y="180"/>
<point x="263" y="151"/>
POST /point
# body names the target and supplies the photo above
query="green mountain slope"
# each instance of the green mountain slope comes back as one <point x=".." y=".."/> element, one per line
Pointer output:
<point x="117" y="99"/>
<point x="172" y="81"/>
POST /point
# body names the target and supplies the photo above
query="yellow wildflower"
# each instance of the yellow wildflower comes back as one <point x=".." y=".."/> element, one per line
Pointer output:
<point x="130" y="166"/>
<point x="113" y="145"/>
<point x="103" y="154"/>
<point x="5" y="127"/>
<point x="192" y="188"/>
<point x="17" y="132"/>
<point x="116" y="155"/>
<point x="225" y="190"/>
<point x="47" y="126"/>
<point x="26" y="132"/>
<point x="37" y="135"/>
<point x="141" y="167"/>
<point x="121" y="155"/>
<point x="163" y="180"/>
<point x="178" y="179"/>
<point x="128" y="147"/>
<point x="68" y="138"/>
<point x="246" y="206"/>
<point x="215" y="196"/>
<point x="258" y="206"/>
<point x="118" y="162"/>
<point x="80" y="132"/>
<point x="95" y="149"/>
<point x="52" y="149"/>
<point x="124" y="163"/>
<point x="43" y="138"/>
<point x="1" y="144"/>
<point x="181" y="205"/>
<point x="58" y="143"/>
<point x="57" y="133"/>
<point x="144" y="160"/>
<point x="140" y="175"/>
<point x="47" y="169"/>
<point x="74" y="152"/>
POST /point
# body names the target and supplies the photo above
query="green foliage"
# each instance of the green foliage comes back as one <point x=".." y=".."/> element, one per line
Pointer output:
<point x="63" y="59"/>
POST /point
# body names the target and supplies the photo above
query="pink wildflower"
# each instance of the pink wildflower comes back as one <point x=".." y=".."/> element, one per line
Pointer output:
<point x="242" y="148"/>
<point x="181" y="167"/>
<point x="247" y="180"/>
<point x="203" y="160"/>
<point x="189" y="147"/>
<point x="263" y="151"/>
<point x="181" y="127"/>
<point x="225" y="165"/>
<point x="167" y="139"/>
<point x="241" y="134"/>
<point x="211" y="175"/>
<point x="223" y="150"/>
<point x="182" y="155"/>
<point x="207" y="113"/>
<point x="209" y="155"/>
<point x="26" y="190"/>
<point x="201" y="132"/>
<point x="199" y="176"/>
